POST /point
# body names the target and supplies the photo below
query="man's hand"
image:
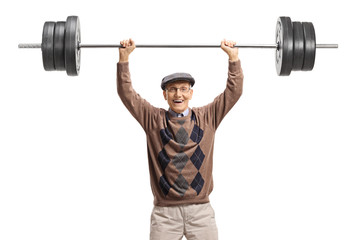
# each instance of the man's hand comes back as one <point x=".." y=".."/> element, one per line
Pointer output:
<point x="228" y="47"/>
<point x="128" y="47"/>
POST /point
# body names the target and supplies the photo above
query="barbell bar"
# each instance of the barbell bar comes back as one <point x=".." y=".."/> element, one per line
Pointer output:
<point x="272" y="46"/>
<point x="295" y="46"/>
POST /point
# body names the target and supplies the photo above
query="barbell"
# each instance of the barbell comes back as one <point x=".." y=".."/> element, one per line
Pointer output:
<point x="295" y="46"/>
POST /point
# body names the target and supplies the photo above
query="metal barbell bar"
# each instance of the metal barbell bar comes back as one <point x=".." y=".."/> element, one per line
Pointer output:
<point x="38" y="45"/>
<point x="272" y="46"/>
<point x="295" y="46"/>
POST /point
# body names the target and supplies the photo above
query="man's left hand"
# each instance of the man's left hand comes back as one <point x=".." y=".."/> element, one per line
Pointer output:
<point x="228" y="47"/>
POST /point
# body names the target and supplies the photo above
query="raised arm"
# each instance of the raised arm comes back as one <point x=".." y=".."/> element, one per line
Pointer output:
<point x="222" y="104"/>
<point x="141" y="110"/>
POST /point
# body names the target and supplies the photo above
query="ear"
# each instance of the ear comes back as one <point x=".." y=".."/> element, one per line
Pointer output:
<point x="191" y="94"/>
<point x="165" y="95"/>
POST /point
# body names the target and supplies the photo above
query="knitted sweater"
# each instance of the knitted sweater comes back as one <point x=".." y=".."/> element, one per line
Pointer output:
<point x="180" y="149"/>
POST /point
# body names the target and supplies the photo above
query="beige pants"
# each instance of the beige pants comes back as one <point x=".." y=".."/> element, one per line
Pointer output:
<point x="194" y="221"/>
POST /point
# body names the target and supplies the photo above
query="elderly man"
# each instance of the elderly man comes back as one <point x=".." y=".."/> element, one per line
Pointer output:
<point x="180" y="144"/>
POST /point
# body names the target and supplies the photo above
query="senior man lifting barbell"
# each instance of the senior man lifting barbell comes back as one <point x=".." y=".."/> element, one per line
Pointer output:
<point x="180" y="140"/>
<point x="180" y="143"/>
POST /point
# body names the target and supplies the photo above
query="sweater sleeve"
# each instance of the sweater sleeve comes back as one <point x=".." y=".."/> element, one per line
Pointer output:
<point x="216" y="111"/>
<point x="139" y="108"/>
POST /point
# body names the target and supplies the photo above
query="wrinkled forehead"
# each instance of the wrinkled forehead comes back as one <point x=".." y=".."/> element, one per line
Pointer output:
<point x="178" y="84"/>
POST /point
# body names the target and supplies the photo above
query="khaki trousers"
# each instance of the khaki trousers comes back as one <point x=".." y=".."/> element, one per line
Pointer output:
<point x="194" y="221"/>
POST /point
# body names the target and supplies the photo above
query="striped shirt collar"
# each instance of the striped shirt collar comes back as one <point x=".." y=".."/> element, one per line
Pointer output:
<point x="175" y="114"/>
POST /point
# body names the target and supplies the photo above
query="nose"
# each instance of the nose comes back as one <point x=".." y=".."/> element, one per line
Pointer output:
<point x="178" y="92"/>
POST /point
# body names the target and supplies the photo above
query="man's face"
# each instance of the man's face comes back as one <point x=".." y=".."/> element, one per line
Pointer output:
<point x="178" y="94"/>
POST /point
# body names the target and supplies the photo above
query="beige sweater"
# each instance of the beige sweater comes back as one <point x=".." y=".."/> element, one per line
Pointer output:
<point x="180" y="149"/>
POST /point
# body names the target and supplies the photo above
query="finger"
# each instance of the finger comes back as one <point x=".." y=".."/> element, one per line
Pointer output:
<point x="223" y="42"/>
<point x="131" y="42"/>
<point x="231" y="43"/>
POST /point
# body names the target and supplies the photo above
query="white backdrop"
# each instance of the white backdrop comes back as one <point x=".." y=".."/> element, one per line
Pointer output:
<point x="74" y="161"/>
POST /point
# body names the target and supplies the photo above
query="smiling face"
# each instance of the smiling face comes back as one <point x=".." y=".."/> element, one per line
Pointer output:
<point x="178" y="94"/>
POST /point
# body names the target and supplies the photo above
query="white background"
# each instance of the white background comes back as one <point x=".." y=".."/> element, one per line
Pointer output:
<point x="74" y="161"/>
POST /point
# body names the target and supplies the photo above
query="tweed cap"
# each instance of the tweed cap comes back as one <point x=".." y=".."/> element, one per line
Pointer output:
<point x="177" y="77"/>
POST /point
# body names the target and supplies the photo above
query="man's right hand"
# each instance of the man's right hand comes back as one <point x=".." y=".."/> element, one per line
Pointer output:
<point x="128" y="47"/>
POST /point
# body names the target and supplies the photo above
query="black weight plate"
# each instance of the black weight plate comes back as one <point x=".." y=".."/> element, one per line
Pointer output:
<point x="298" y="59"/>
<point x="72" y="50"/>
<point x="59" y="46"/>
<point x="284" y="52"/>
<point x="310" y="46"/>
<point x="47" y="46"/>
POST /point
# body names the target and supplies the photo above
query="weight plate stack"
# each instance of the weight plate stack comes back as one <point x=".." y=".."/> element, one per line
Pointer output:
<point x="284" y="51"/>
<point x="298" y="59"/>
<point x="72" y="50"/>
<point x="310" y="46"/>
<point x="47" y="46"/>
<point x="59" y="46"/>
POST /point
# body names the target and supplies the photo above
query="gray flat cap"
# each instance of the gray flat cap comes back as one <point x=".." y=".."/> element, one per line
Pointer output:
<point x="177" y="77"/>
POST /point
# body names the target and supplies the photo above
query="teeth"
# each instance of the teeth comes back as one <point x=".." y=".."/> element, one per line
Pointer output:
<point x="178" y="101"/>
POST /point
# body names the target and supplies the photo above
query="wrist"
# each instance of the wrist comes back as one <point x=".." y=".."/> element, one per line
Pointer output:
<point x="124" y="59"/>
<point x="233" y="58"/>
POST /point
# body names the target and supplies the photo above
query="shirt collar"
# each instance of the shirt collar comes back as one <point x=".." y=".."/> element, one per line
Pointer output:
<point x="183" y="114"/>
